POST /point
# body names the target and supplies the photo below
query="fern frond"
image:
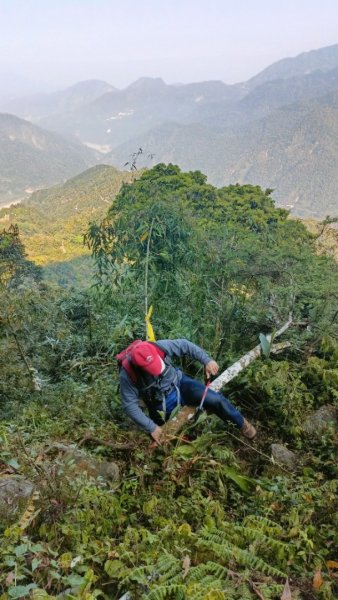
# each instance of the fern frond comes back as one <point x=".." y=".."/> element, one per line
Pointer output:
<point x="239" y="535"/>
<point x="209" y="589"/>
<point x="166" y="592"/>
<point x="138" y="574"/>
<point x="263" y="524"/>
<point x="244" y="592"/>
<point x="253" y="535"/>
<point x="271" y="591"/>
<point x="167" y="567"/>
<point x="224" y="455"/>
<point x="210" y="568"/>
<point x="329" y="486"/>
<point x="226" y="551"/>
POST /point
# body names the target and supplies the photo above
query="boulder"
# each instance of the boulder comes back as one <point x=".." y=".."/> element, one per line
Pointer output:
<point x="284" y="457"/>
<point x="321" y="420"/>
<point x="81" y="462"/>
<point x="14" y="490"/>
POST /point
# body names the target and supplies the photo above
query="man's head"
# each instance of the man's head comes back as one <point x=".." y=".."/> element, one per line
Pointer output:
<point x="146" y="357"/>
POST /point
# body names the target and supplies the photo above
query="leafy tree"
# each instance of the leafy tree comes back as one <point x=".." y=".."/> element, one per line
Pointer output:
<point x="14" y="265"/>
<point x="224" y="263"/>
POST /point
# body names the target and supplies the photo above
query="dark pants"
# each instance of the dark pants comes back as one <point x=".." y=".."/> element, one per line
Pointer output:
<point x="191" y="395"/>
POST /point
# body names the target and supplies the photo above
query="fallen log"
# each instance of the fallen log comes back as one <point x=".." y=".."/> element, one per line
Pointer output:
<point x="173" y="426"/>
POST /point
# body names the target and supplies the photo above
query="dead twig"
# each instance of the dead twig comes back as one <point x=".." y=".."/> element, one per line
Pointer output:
<point x="257" y="591"/>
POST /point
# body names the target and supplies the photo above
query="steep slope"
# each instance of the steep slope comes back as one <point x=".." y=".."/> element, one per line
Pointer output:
<point x="265" y="98"/>
<point x="271" y="95"/>
<point x="52" y="222"/>
<point x="323" y="59"/>
<point x="294" y="151"/>
<point x="32" y="158"/>
<point x="192" y="146"/>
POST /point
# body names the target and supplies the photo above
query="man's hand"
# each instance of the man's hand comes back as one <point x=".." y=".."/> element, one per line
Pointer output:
<point x="157" y="434"/>
<point x="211" y="368"/>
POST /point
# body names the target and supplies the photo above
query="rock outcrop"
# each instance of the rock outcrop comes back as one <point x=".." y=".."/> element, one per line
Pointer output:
<point x="81" y="462"/>
<point x="14" y="491"/>
<point x="283" y="456"/>
<point x="321" y="420"/>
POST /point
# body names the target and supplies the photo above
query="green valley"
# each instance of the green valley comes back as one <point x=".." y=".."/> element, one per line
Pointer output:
<point x="52" y="222"/>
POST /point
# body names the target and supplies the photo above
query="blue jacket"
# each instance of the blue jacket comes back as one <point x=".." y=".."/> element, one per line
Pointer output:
<point x="165" y="383"/>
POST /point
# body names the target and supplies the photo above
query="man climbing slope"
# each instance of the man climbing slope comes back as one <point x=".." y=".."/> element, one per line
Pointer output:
<point x="147" y="373"/>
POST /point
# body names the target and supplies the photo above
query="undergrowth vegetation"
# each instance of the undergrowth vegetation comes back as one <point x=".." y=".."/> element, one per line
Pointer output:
<point x="209" y="516"/>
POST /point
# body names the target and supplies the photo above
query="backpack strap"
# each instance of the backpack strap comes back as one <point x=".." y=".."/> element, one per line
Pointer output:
<point x="123" y="360"/>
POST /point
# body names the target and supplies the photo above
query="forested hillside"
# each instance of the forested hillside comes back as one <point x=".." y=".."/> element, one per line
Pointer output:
<point x="294" y="150"/>
<point x="52" y="222"/>
<point x="31" y="158"/>
<point x="87" y="508"/>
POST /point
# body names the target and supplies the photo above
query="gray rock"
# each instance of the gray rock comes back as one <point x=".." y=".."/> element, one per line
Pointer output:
<point x="14" y="490"/>
<point x="284" y="457"/>
<point x="321" y="420"/>
<point x="79" y="461"/>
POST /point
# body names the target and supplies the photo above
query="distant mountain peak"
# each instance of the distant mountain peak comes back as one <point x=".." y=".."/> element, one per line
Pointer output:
<point x="148" y="83"/>
<point x="323" y="59"/>
<point x="92" y="84"/>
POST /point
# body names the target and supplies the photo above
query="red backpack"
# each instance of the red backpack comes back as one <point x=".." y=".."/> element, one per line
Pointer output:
<point x="123" y="359"/>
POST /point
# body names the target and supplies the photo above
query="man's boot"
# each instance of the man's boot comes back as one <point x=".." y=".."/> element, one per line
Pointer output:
<point x="248" y="430"/>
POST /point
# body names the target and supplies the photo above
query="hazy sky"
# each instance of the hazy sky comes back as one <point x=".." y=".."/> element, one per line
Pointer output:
<point x="64" y="41"/>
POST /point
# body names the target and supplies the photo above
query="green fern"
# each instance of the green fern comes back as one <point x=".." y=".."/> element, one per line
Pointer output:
<point x="209" y="589"/>
<point x="244" y="592"/>
<point x="261" y="539"/>
<point x="223" y="454"/>
<point x="219" y="544"/>
<point x="167" y="567"/>
<point x="241" y="533"/>
<point x="271" y="591"/>
<point x="210" y="568"/>
<point x="166" y="592"/>
<point x="263" y="524"/>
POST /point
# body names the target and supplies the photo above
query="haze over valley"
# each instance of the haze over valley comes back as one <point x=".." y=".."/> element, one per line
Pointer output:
<point x="277" y="130"/>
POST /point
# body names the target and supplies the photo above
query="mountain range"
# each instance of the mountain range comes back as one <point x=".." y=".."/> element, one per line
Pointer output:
<point x="278" y="129"/>
<point x="294" y="151"/>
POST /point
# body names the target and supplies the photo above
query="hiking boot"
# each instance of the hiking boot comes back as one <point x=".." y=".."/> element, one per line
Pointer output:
<point x="248" y="430"/>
